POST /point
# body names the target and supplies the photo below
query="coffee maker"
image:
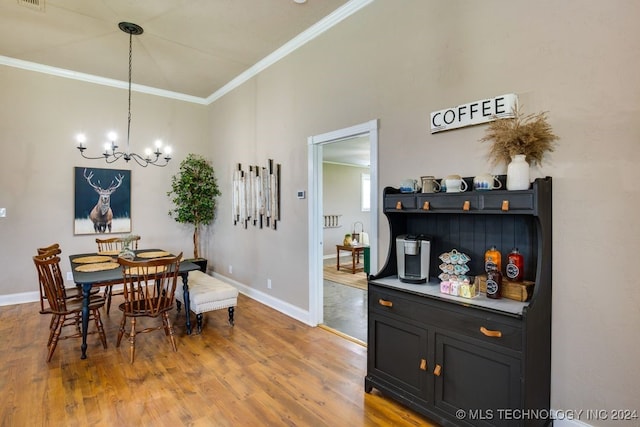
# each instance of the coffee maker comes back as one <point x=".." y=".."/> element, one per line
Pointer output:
<point x="412" y="252"/>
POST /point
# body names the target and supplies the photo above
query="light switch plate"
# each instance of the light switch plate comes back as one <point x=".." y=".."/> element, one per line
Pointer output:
<point x="3" y="212"/>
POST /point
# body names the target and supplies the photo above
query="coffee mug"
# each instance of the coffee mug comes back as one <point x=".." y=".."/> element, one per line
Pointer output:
<point x="486" y="181"/>
<point x="429" y="184"/>
<point x="409" y="186"/>
<point x="453" y="184"/>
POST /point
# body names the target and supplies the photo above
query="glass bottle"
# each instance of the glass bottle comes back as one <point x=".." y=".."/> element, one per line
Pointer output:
<point x="492" y="259"/>
<point x="515" y="265"/>
<point x="494" y="284"/>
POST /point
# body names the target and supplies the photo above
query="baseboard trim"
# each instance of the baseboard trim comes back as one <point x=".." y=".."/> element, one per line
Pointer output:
<point x="566" y="418"/>
<point x="268" y="300"/>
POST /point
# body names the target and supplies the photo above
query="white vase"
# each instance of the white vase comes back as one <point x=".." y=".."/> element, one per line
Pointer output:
<point x="518" y="173"/>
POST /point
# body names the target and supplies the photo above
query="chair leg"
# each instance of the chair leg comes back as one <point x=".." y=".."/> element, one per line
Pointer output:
<point x="103" y="337"/>
<point x="56" y="335"/>
<point x="167" y="325"/>
<point x="52" y="328"/>
<point x="107" y="295"/>
<point x="121" y="330"/>
<point x="132" y="339"/>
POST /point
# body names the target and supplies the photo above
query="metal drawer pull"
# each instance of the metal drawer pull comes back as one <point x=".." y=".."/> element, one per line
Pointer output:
<point x="490" y="333"/>
<point x="437" y="370"/>
<point x="423" y="364"/>
<point x="385" y="303"/>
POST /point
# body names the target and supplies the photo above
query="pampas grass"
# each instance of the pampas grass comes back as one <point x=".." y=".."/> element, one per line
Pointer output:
<point x="529" y="134"/>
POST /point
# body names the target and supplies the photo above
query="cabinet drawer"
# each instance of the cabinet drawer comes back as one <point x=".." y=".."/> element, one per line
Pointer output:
<point x="490" y="329"/>
<point x="449" y="201"/>
<point x="399" y="202"/>
<point x="516" y="202"/>
<point x="466" y="321"/>
<point x="394" y="304"/>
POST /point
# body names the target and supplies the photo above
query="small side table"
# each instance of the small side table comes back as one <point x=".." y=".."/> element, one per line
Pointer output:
<point x="355" y="256"/>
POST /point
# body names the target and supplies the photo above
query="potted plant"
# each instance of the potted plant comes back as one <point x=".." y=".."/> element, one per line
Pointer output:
<point x="518" y="142"/>
<point x="194" y="190"/>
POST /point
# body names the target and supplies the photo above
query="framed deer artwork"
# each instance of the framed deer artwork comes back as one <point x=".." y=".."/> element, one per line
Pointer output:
<point x="102" y="201"/>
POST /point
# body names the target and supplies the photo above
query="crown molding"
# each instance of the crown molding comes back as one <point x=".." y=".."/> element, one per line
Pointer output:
<point x="90" y="78"/>
<point x="301" y="39"/>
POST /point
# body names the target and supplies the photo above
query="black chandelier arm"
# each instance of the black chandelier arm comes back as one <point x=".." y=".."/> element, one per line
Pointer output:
<point x="146" y="161"/>
<point x="117" y="155"/>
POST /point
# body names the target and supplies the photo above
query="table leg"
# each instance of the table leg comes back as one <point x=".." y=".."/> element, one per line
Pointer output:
<point x="187" y="302"/>
<point x="338" y="259"/>
<point x="353" y="261"/>
<point x="86" y="290"/>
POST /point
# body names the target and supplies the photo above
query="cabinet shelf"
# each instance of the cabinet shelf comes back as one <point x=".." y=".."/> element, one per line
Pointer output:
<point x="439" y="354"/>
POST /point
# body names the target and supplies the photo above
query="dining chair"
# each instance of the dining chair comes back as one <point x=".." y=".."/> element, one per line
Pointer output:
<point x="113" y="246"/>
<point x="65" y="311"/>
<point x="71" y="292"/>
<point x="149" y="291"/>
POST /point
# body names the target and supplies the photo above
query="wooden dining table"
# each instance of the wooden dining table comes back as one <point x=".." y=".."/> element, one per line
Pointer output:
<point x="113" y="276"/>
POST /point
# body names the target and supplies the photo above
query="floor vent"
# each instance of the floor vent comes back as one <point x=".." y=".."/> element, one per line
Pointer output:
<point x="33" y="4"/>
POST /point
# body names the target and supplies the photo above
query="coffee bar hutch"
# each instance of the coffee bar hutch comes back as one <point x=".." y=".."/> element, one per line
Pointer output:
<point x="465" y="361"/>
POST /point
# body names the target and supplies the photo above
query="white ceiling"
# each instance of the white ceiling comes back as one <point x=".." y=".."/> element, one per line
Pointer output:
<point x="190" y="47"/>
<point x="352" y="152"/>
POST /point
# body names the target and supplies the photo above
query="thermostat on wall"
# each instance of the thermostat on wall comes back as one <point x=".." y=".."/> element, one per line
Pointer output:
<point x="301" y="194"/>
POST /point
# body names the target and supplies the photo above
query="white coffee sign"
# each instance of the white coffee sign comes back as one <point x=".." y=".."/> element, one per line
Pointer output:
<point x="473" y="113"/>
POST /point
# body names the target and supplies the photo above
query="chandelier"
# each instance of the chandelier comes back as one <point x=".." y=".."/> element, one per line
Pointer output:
<point x="111" y="153"/>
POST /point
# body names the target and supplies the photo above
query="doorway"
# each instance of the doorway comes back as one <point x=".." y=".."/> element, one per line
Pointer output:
<point x="317" y="144"/>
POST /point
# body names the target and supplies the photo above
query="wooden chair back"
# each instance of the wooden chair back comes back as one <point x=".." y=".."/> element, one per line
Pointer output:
<point x="114" y="244"/>
<point x="149" y="285"/>
<point x="51" y="282"/>
<point x="51" y="251"/>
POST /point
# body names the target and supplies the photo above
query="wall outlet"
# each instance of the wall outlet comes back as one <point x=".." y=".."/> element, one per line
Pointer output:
<point x="69" y="276"/>
<point x="3" y="212"/>
<point x="230" y="269"/>
<point x="268" y="283"/>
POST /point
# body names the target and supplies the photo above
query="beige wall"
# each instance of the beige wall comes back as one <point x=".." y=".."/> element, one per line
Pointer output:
<point x="341" y="189"/>
<point x="39" y="118"/>
<point x="399" y="61"/>
<point x="396" y="61"/>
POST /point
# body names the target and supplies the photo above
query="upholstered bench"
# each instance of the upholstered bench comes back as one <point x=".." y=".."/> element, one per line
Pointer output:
<point x="206" y="293"/>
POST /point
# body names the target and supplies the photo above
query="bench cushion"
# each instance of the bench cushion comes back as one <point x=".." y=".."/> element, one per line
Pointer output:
<point x="207" y="293"/>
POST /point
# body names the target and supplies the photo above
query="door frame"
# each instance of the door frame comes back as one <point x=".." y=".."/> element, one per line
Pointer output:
<point x="315" y="195"/>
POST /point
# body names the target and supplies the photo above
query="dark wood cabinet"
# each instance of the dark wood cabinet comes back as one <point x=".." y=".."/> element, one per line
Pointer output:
<point x="465" y="361"/>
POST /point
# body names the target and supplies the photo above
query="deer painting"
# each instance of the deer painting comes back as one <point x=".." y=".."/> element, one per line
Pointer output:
<point x="101" y="215"/>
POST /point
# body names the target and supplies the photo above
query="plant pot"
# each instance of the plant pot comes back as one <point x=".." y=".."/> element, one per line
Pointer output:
<point x="518" y="173"/>
<point x="200" y="262"/>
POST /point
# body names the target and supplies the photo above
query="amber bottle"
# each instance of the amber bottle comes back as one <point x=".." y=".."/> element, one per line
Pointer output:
<point x="492" y="259"/>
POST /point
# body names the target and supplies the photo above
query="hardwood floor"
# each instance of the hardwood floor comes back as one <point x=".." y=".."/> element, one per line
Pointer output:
<point x="267" y="370"/>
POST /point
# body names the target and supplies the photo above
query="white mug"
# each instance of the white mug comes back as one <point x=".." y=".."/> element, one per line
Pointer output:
<point x="486" y="181"/>
<point x="454" y="184"/>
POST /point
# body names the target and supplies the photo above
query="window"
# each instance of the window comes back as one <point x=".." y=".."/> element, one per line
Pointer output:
<point x="365" y="186"/>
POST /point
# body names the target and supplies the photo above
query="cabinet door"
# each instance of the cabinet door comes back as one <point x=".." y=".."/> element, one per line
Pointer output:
<point x="397" y="357"/>
<point x="476" y="385"/>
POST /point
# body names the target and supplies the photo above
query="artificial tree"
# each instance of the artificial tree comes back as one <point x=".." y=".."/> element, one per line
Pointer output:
<point x="194" y="190"/>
